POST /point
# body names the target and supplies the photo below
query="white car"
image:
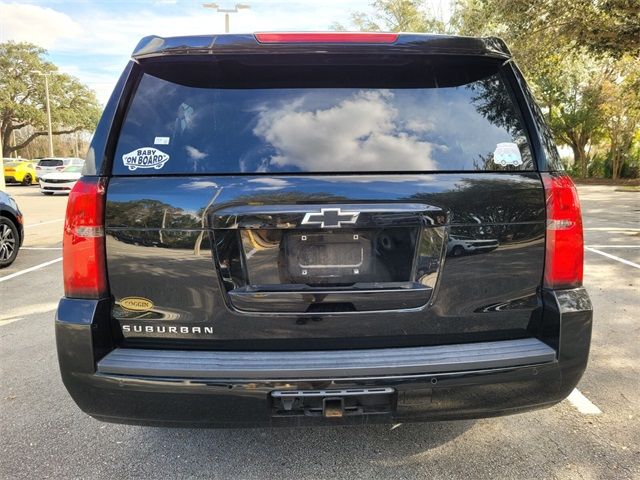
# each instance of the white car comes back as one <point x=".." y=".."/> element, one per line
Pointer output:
<point x="55" y="164"/>
<point x="61" y="182"/>
<point x="459" y="245"/>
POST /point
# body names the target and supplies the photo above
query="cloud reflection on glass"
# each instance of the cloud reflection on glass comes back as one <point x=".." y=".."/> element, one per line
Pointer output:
<point x="366" y="125"/>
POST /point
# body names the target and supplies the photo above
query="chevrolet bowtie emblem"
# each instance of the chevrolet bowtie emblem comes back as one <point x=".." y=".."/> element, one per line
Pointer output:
<point x="330" y="218"/>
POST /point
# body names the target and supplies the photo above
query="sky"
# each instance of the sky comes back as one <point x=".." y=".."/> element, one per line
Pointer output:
<point x="92" y="40"/>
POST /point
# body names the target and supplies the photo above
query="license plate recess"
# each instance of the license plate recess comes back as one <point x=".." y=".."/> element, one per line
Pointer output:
<point x="328" y="256"/>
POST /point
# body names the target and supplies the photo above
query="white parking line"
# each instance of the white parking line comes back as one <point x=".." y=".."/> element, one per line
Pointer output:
<point x="582" y="403"/>
<point x="612" y="229"/>
<point x="44" y="223"/>
<point x="613" y="246"/>
<point x="40" y="248"/>
<point x="613" y="257"/>
<point x="25" y="311"/>
<point x="31" y="269"/>
<point x="7" y="322"/>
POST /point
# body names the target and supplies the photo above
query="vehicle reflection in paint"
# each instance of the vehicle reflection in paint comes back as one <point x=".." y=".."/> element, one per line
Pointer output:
<point x="464" y="245"/>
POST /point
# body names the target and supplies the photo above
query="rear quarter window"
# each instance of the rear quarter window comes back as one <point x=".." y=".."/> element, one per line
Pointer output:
<point x="448" y="117"/>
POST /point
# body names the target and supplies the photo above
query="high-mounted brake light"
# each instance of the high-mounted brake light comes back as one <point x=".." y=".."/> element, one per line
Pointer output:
<point x="565" y="243"/>
<point x="83" y="256"/>
<point x="327" y="37"/>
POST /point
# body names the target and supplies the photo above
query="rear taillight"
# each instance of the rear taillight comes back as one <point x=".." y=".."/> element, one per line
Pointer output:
<point x="83" y="256"/>
<point x="565" y="244"/>
<point x="327" y="37"/>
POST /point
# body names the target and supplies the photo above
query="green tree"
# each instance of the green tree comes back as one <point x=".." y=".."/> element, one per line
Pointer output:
<point x="22" y="96"/>
<point x="572" y="94"/>
<point x="622" y="112"/>
<point x="610" y="27"/>
<point x="397" y="16"/>
<point x="568" y="51"/>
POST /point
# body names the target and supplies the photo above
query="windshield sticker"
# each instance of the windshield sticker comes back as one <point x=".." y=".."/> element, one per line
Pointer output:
<point x="161" y="141"/>
<point x="145" y="157"/>
<point x="507" y="154"/>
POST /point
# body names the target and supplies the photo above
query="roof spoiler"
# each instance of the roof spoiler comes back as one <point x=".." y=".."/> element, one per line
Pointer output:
<point x="309" y="42"/>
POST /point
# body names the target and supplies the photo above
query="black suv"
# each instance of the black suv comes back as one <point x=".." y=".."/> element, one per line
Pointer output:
<point x="261" y="237"/>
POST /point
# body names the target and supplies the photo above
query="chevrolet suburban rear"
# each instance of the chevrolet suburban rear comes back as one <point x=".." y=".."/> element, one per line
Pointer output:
<point x="324" y="228"/>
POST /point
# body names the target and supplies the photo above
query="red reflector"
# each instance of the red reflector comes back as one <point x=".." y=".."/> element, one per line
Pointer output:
<point x="326" y="37"/>
<point x="565" y="245"/>
<point x="83" y="257"/>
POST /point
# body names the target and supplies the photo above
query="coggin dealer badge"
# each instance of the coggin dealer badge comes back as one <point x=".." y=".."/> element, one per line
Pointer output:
<point x="145" y="157"/>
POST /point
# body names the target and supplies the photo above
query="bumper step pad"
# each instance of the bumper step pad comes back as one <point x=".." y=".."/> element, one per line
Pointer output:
<point x="327" y="363"/>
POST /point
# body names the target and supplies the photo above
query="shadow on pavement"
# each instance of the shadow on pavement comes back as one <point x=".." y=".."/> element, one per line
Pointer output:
<point x="306" y="448"/>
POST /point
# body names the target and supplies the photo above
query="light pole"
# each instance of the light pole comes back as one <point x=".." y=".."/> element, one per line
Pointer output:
<point x="46" y="89"/>
<point x="227" y="11"/>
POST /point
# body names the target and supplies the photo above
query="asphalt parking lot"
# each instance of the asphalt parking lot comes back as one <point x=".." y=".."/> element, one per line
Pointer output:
<point x="594" y="435"/>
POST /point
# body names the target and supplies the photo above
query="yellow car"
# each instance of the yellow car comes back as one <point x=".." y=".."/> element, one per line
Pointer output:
<point x="19" y="171"/>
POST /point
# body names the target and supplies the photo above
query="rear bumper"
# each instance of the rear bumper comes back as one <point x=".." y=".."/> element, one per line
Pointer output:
<point x="227" y="389"/>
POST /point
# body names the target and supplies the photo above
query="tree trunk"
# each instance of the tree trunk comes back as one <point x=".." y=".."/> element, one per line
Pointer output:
<point x="580" y="157"/>
<point x="615" y="153"/>
<point x="5" y="137"/>
<point x="615" y="159"/>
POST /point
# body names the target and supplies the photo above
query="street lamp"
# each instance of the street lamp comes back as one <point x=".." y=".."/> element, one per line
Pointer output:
<point x="46" y="89"/>
<point x="227" y="11"/>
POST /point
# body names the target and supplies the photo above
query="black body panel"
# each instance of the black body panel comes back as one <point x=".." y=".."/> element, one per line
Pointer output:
<point x="82" y="342"/>
<point x="159" y="247"/>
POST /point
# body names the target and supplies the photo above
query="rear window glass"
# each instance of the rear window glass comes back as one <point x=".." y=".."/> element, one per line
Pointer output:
<point x="50" y="163"/>
<point x="449" y="117"/>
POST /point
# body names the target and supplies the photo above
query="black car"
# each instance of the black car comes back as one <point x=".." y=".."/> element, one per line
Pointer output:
<point x="260" y="237"/>
<point x="11" y="230"/>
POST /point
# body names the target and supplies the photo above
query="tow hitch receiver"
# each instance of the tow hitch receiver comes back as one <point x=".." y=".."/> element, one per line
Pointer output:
<point x="333" y="406"/>
<point x="333" y="403"/>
